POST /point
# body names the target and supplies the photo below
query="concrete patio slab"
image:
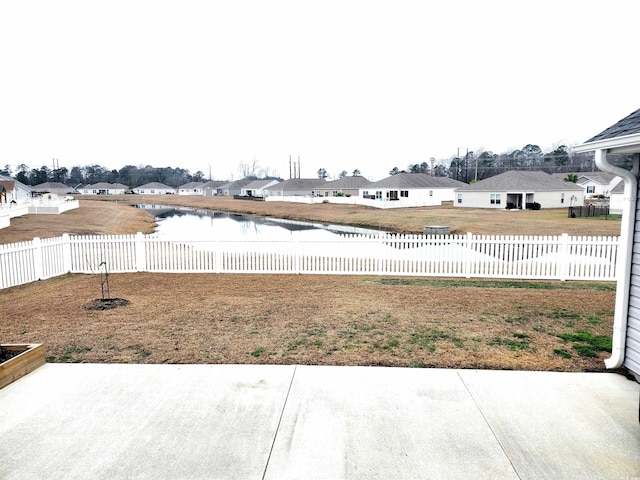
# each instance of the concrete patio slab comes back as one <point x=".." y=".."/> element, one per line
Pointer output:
<point x="90" y="421"/>
<point x="562" y="425"/>
<point x="76" y="421"/>
<point x="381" y="423"/>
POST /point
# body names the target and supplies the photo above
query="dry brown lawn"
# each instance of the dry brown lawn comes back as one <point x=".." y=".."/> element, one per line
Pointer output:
<point x="303" y="319"/>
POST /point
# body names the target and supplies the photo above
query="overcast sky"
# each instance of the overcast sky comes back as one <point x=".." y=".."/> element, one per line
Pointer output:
<point x="344" y="85"/>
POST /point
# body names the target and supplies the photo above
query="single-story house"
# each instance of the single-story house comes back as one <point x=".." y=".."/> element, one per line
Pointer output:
<point x="520" y="189"/>
<point x="104" y="188"/>
<point x="597" y="183"/>
<point x="296" y="187"/>
<point x="345" y="186"/>
<point x="233" y="188"/>
<point x="624" y="138"/>
<point x="154" y="188"/>
<point x="412" y="190"/>
<point x="191" y="188"/>
<point x="257" y="188"/>
<point x="12" y="190"/>
<point x="210" y="188"/>
<point x="57" y="188"/>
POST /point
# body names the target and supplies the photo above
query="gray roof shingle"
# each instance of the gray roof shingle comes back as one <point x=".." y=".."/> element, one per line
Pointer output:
<point x="519" y="180"/>
<point x="417" y="180"/>
<point x="629" y="125"/>
<point x="357" y="181"/>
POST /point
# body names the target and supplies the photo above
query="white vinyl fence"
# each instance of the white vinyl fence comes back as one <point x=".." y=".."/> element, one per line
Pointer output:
<point x="519" y="257"/>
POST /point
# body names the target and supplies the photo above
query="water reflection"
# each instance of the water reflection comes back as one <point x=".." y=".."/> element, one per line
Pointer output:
<point x="193" y="224"/>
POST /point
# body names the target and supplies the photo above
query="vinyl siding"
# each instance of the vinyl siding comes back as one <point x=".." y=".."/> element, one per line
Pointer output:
<point x="632" y="348"/>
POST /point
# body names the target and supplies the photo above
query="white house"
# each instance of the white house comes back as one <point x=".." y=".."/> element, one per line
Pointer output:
<point x="411" y="190"/>
<point x="295" y="187"/>
<point x="257" y="188"/>
<point x="191" y="188"/>
<point x="57" y="188"/>
<point x="233" y="188"/>
<point x="154" y="188"/>
<point x="12" y="190"/>
<point x="210" y="188"/>
<point x="517" y="189"/>
<point x="597" y="183"/>
<point x="624" y="138"/>
<point x="104" y="188"/>
<point x="345" y="186"/>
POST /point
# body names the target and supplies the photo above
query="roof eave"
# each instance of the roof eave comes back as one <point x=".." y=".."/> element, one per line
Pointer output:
<point x="620" y="145"/>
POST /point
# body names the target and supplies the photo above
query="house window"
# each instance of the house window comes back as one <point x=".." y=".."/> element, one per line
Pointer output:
<point x="365" y="193"/>
<point x="404" y="193"/>
<point x="431" y="193"/>
<point x="153" y="191"/>
<point x="495" y="198"/>
<point x="591" y="189"/>
<point x="562" y="198"/>
<point x="459" y="198"/>
<point x="378" y="194"/>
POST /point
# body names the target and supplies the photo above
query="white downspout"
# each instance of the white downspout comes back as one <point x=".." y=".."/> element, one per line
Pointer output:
<point x="623" y="266"/>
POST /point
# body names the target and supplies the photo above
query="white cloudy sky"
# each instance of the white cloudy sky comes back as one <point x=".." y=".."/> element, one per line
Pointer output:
<point x="345" y="84"/>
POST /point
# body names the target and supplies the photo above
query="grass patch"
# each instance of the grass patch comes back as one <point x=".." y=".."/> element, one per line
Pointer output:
<point x="587" y="344"/>
<point x="520" y="344"/>
<point x="562" y="352"/>
<point x="471" y="283"/>
<point x="73" y="354"/>
<point x="257" y="352"/>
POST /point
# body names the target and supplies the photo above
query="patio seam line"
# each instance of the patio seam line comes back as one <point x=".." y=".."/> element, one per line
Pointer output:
<point x="275" y="435"/>
<point x="515" y="470"/>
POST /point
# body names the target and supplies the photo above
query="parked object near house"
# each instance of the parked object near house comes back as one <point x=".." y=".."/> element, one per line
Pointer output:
<point x="517" y="189"/>
<point x="412" y="190"/>
<point x="257" y="188"/>
<point x="154" y="188"/>
<point x="624" y="138"/>
<point x="191" y="188"/>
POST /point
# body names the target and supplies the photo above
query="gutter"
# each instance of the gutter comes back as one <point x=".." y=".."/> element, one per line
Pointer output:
<point x="623" y="267"/>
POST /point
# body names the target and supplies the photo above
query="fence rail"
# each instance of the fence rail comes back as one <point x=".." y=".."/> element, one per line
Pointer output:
<point x="560" y="257"/>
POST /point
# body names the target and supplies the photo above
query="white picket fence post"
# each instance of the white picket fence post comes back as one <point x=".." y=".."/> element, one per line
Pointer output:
<point x="564" y="257"/>
<point x="66" y="253"/>
<point x="141" y="253"/>
<point x="38" y="267"/>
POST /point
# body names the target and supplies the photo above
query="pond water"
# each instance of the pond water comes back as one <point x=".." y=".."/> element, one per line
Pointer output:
<point x="186" y="223"/>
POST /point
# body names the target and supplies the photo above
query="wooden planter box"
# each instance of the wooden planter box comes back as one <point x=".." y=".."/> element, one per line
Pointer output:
<point x="32" y="357"/>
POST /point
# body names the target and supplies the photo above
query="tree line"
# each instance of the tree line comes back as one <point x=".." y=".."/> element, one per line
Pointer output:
<point x="475" y="166"/>
<point x="470" y="167"/>
<point x="129" y="175"/>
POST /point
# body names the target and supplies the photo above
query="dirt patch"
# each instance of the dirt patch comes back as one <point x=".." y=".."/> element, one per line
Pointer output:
<point x="106" y="303"/>
<point x="8" y="354"/>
